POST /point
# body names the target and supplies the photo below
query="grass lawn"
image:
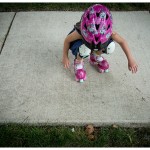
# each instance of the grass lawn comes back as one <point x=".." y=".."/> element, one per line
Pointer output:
<point x="70" y="6"/>
<point x="14" y="135"/>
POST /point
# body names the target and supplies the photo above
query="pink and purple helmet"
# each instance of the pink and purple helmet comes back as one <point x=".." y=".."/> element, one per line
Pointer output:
<point x="96" y="24"/>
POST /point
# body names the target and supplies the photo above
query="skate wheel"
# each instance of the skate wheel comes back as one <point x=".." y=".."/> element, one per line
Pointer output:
<point x="81" y="80"/>
<point x="106" y="70"/>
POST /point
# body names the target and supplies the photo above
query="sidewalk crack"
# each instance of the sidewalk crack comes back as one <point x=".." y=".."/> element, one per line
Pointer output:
<point x="7" y="33"/>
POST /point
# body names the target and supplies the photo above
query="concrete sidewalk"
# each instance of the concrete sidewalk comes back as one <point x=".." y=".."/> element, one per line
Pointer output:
<point x="36" y="89"/>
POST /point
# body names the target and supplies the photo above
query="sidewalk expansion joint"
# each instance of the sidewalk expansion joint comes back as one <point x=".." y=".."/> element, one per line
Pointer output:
<point x="7" y="32"/>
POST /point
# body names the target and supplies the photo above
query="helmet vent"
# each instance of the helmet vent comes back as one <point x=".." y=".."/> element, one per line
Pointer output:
<point x="85" y="26"/>
<point x="97" y="14"/>
<point x="96" y="39"/>
<point x="88" y="16"/>
<point x="107" y="16"/>
<point x="97" y="26"/>
<point x="108" y="27"/>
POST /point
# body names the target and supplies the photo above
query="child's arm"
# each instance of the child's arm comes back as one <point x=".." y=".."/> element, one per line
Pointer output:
<point x="132" y="65"/>
<point x="71" y="37"/>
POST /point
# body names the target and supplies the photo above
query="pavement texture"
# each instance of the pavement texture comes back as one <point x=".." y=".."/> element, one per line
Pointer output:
<point x="36" y="89"/>
<point x="5" y="22"/>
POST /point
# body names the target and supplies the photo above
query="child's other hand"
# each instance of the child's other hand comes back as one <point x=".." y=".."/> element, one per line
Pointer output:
<point x="66" y="62"/>
<point x="132" y="65"/>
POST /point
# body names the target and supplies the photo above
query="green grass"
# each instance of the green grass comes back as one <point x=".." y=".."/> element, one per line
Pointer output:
<point x="14" y="135"/>
<point x="4" y="7"/>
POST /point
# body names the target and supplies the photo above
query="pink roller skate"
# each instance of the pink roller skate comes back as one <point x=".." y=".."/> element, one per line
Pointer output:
<point x="80" y="73"/>
<point x="100" y="62"/>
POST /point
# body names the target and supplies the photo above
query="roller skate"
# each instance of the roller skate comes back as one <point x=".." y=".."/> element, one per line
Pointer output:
<point x="80" y="73"/>
<point x="100" y="62"/>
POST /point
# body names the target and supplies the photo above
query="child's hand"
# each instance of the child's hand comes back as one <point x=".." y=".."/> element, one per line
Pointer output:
<point x="132" y="65"/>
<point x="66" y="62"/>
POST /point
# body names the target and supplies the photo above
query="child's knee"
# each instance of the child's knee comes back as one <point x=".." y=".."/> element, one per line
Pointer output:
<point x="84" y="51"/>
<point x="110" y="48"/>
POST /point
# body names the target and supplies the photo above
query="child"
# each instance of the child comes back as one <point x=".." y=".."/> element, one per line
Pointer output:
<point x="93" y="36"/>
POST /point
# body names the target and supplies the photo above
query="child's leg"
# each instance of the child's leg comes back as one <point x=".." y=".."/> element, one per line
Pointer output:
<point x="98" y="52"/>
<point x="96" y="58"/>
<point x="80" y="73"/>
<point x="78" y="58"/>
<point x="97" y="55"/>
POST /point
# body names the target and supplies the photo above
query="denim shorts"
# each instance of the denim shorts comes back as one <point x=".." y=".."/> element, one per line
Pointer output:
<point x="74" y="46"/>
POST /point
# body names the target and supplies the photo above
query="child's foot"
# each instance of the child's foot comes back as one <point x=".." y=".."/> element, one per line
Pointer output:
<point x="100" y="62"/>
<point x="80" y="73"/>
